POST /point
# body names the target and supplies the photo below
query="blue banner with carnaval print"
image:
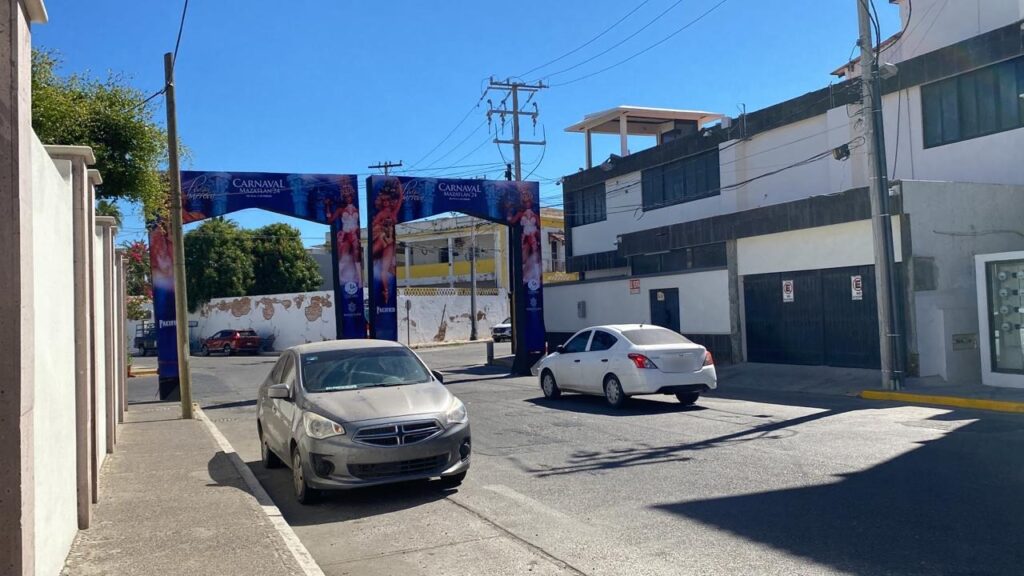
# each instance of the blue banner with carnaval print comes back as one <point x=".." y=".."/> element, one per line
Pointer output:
<point x="396" y="199"/>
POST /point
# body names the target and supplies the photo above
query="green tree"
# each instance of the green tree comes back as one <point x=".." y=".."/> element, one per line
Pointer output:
<point x="109" y="208"/>
<point x="281" y="263"/>
<point x="218" y="261"/>
<point x="111" y="117"/>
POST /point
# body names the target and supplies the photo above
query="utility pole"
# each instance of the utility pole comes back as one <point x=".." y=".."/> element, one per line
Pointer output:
<point x="177" y="239"/>
<point x="472" y="279"/>
<point x="514" y="88"/>
<point x="890" y="324"/>
<point x="386" y="166"/>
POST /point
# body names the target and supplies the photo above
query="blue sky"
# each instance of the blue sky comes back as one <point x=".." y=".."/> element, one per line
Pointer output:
<point x="332" y="86"/>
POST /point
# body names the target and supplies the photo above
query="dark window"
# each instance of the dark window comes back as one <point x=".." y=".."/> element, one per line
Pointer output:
<point x="578" y="343"/>
<point x="443" y="256"/>
<point x="602" y="341"/>
<point x="587" y="206"/>
<point x="288" y="371"/>
<point x="653" y="336"/>
<point x="694" y="257"/>
<point x="978" y="103"/>
<point x="682" y="180"/>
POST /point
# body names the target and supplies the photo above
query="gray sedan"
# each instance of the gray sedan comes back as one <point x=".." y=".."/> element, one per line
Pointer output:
<point x="351" y="413"/>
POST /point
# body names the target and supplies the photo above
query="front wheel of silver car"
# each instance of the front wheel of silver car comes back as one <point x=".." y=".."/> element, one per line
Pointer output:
<point x="303" y="493"/>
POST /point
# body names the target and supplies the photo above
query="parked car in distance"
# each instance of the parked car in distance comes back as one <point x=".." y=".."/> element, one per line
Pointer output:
<point x="350" y="413"/>
<point x="503" y="331"/>
<point x="619" y="361"/>
<point x="231" y="342"/>
<point x="146" y="339"/>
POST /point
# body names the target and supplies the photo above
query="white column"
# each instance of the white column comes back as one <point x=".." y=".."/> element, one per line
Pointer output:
<point x="451" y="262"/>
<point x="408" y="265"/>
<point x="623" y="136"/>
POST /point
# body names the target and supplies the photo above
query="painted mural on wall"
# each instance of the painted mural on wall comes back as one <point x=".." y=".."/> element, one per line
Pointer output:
<point x="396" y="199"/>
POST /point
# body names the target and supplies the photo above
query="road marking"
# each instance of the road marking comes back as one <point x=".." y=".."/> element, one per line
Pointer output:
<point x="954" y="401"/>
<point x="298" y="550"/>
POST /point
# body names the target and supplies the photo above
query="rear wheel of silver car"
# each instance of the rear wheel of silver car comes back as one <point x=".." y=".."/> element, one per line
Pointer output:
<point x="613" y="392"/>
<point x="303" y="493"/>
<point x="549" y="386"/>
<point x="452" y="481"/>
<point x="270" y="460"/>
<point x="687" y="398"/>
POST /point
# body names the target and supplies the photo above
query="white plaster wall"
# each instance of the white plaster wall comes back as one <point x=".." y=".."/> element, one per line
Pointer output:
<point x="300" y="318"/>
<point x="56" y="519"/>
<point x="447" y="318"/>
<point x="938" y="23"/>
<point x="952" y="222"/>
<point x="704" y="302"/>
<point x="847" y="244"/>
<point x="99" y="348"/>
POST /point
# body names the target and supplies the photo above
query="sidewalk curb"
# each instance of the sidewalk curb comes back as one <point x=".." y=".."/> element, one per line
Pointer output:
<point x="143" y="372"/>
<point x="952" y="401"/>
<point x="298" y="549"/>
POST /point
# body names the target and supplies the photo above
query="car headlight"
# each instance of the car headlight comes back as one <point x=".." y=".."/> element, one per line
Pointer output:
<point x="456" y="413"/>
<point x="319" y="427"/>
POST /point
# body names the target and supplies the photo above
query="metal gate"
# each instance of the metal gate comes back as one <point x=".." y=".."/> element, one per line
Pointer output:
<point x="816" y="317"/>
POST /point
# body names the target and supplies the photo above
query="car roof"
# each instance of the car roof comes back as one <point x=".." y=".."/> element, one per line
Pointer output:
<point x="354" y="344"/>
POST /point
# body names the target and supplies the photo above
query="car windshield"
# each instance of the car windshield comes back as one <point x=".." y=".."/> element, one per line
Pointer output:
<point x="363" y="368"/>
<point x="654" y="336"/>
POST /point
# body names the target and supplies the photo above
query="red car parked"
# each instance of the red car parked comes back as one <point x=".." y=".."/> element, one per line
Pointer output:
<point x="232" y="341"/>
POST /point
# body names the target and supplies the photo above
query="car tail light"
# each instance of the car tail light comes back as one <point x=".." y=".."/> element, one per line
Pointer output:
<point x="236" y="336"/>
<point x="641" y="361"/>
<point x="708" y="360"/>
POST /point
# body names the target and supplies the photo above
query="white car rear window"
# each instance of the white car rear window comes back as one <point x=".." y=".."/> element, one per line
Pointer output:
<point x="653" y="336"/>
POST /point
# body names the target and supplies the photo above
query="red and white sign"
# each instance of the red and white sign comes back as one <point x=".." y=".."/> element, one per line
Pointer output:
<point x="634" y="285"/>
<point x="787" y="291"/>
<point x="856" y="287"/>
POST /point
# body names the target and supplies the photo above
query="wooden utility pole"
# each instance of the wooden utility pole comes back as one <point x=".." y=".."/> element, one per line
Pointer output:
<point x="177" y="239"/>
<point x="890" y="325"/>
<point x="386" y="166"/>
<point x="514" y="88"/>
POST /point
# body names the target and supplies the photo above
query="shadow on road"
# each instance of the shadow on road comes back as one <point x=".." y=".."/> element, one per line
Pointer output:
<point x="954" y="505"/>
<point x="475" y="374"/>
<point x="590" y="461"/>
<point x="345" y="505"/>
<point x="226" y="405"/>
<point x="597" y="405"/>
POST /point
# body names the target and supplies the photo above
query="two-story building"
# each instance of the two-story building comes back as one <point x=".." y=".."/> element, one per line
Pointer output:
<point x="753" y="234"/>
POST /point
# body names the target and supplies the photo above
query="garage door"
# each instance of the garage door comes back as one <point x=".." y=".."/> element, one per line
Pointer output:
<point x="817" y="317"/>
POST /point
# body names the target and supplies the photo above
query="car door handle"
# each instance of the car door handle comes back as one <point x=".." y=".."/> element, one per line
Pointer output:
<point x="576" y="361"/>
<point x="604" y="359"/>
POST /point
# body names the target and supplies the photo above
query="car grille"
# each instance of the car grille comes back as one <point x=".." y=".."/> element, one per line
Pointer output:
<point x="402" y="468"/>
<point x="399" y="434"/>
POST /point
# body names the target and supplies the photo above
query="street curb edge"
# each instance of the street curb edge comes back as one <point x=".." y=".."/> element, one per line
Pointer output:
<point x="952" y="401"/>
<point x="295" y="546"/>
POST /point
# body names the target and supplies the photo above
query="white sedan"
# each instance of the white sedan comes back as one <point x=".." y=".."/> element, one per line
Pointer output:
<point x="624" y="360"/>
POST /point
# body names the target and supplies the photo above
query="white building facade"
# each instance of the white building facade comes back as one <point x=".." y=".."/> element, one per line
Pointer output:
<point x="753" y="236"/>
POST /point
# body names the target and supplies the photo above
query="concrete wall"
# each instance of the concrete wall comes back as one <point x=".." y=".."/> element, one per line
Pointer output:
<point x="99" y="356"/>
<point x="56" y="519"/>
<point x="299" y="318"/>
<point x="847" y="244"/>
<point x="704" y="302"/>
<point x="950" y="223"/>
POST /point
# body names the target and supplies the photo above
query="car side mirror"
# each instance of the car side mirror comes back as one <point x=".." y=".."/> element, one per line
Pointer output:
<point x="438" y="376"/>
<point x="279" y="391"/>
<point x="560" y="349"/>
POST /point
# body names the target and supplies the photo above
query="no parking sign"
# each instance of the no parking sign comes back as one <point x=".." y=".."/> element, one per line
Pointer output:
<point x="787" y="291"/>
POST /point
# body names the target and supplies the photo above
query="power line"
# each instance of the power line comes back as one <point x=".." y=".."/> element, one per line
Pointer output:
<point x="452" y="131"/>
<point x="181" y="27"/>
<point x="619" y="43"/>
<point x="588" y="42"/>
<point x="647" y="49"/>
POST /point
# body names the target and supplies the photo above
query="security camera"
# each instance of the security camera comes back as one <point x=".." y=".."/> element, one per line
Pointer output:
<point x="888" y="70"/>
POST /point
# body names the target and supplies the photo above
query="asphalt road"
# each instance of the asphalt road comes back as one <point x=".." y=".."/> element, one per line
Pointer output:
<point x="743" y="483"/>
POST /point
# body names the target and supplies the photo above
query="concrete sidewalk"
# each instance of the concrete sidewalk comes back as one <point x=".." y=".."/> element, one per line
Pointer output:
<point x="866" y="384"/>
<point x="172" y="502"/>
